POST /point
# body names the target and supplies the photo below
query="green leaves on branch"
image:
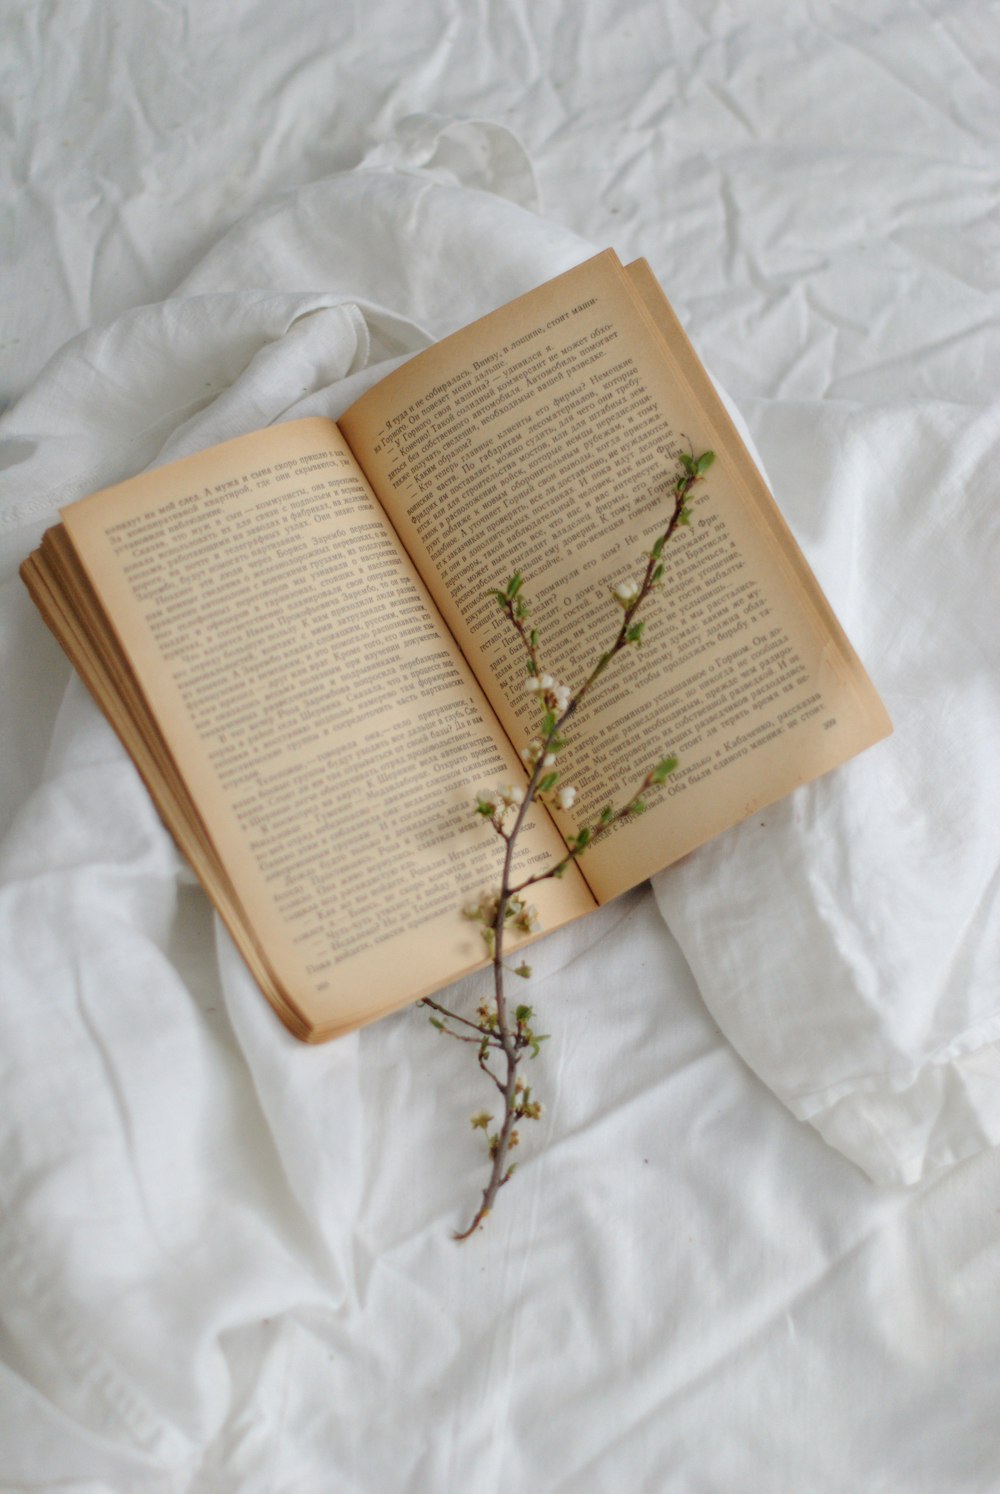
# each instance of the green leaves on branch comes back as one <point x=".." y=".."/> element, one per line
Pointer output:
<point x="663" y="770"/>
<point x="694" y="469"/>
<point x="527" y="1039"/>
<point x="502" y="1035"/>
<point x="696" y="466"/>
<point x="511" y="600"/>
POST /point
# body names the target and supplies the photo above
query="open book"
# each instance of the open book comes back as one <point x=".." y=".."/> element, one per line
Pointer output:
<point x="294" y="637"/>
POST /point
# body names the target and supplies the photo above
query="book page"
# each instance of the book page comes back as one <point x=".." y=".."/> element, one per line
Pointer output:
<point x="321" y="720"/>
<point x="545" y="439"/>
<point x="69" y="606"/>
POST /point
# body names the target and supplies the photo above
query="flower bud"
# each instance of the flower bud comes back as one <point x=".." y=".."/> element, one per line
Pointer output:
<point x="625" y="592"/>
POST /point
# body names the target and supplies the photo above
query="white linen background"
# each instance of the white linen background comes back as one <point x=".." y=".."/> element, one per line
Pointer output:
<point x="690" y="1290"/>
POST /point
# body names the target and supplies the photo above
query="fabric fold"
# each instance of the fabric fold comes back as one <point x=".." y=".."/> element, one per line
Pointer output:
<point x="178" y="1170"/>
<point x="847" y="940"/>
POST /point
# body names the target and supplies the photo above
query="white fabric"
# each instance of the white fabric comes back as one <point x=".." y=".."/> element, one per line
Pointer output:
<point x="847" y="940"/>
<point x="224" y="1258"/>
<point x="861" y="986"/>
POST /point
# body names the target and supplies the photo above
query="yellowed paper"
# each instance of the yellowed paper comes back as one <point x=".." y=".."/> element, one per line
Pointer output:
<point x="545" y="439"/>
<point x="313" y="727"/>
<point x="318" y="713"/>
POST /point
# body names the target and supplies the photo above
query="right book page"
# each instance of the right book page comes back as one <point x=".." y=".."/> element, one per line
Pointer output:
<point x="545" y="439"/>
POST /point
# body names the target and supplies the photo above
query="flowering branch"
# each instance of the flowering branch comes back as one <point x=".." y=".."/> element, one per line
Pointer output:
<point x="497" y="1032"/>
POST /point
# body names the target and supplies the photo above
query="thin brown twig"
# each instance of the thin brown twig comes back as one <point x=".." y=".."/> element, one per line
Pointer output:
<point x="512" y="1043"/>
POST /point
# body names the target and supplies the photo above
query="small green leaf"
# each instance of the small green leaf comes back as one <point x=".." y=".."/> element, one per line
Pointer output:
<point x="684" y="517"/>
<point x="663" y="769"/>
<point x="639" y="807"/>
<point x="687" y="462"/>
<point x="607" y="814"/>
<point x="514" y="585"/>
<point x="533" y="637"/>
<point x="524" y="971"/>
<point x="548" y="782"/>
<point x="436" y="1023"/>
<point x="583" y="839"/>
<point x="523" y="1014"/>
<point x="536" y="1041"/>
<point x="657" y="574"/>
<point x="548" y="723"/>
<point x="657" y="549"/>
<point x="704" y="462"/>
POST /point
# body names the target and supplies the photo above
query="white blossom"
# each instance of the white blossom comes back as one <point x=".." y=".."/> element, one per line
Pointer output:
<point x="625" y="592"/>
<point x="527" y="920"/>
<point x="532" y="682"/>
<point x="484" y="909"/>
<point x="565" y="797"/>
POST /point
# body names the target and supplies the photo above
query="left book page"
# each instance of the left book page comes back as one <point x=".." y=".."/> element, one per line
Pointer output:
<point x="303" y="718"/>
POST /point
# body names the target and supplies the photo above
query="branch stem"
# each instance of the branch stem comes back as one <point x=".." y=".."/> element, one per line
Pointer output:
<point x="505" y="1038"/>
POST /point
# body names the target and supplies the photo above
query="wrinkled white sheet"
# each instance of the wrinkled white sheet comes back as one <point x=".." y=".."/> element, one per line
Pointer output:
<point x="224" y="1260"/>
<point x="847" y="940"/>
